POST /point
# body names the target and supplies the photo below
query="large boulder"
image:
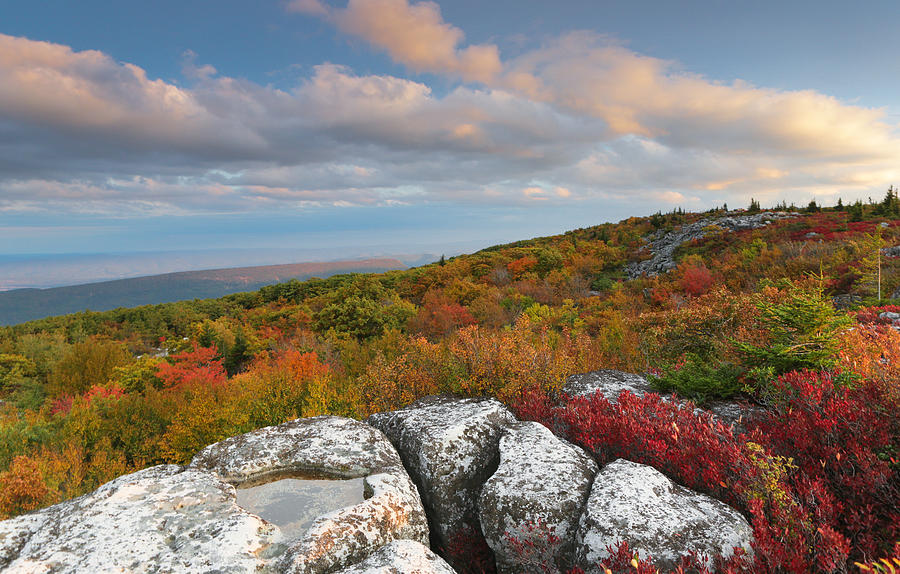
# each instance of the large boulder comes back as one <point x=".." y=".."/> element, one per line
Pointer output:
<point x="450" y="448"/>
<point x="175" y="519"/>
<point x="401" y="557"/>
<point x="331" y="447"/>
<point x="658" y="518"/>
<point x="529" y="508"/>
<point x="161" y="519"/>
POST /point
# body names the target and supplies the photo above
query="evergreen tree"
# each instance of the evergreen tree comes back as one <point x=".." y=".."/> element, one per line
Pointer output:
<point x="754" y="206"/>
<point x="856" y="211"/>
<point x="238" y="354"/>
<point x="890" y="205"/>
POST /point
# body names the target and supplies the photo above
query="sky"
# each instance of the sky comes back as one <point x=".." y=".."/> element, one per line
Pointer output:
<point x="189" y="125"/>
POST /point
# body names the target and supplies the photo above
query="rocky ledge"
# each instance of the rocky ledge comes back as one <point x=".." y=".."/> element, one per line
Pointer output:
<point x="664" y="244"/>
<point x="465" y="467"/>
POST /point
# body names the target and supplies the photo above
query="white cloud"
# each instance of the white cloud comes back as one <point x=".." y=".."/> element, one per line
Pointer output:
<point x="414" y="34"/>
<point x="574" y="120"/>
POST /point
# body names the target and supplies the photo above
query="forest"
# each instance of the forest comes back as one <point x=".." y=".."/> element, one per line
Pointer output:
<point x="747" y="315"/>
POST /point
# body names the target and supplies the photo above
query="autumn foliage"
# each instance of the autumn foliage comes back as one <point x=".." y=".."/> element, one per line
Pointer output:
<point x="747" y="314"/>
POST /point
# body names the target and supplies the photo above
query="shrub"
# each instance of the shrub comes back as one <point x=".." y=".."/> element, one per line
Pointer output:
<point x="696" y="279"/>
<point x="802" y="326"/>
<point x="700" y="379"/>
<point x="89" y="363"/>
<point x="792" y="515"/>
<point x="843" y="438"/>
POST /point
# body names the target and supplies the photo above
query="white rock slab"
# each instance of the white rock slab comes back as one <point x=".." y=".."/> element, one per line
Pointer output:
<point x="637" y="503"/>
<point x="334" y="447"/>
<point x="538" y="492"/>
<point x="450" y="448"/>
<point x="161" y="519"/>
<point x="401" y="557"/>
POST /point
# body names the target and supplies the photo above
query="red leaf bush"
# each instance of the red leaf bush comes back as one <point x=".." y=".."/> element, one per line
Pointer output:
<point x="813" y="475"/>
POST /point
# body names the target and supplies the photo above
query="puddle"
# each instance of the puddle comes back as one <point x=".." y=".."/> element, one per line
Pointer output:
<point x="294" y="503"/>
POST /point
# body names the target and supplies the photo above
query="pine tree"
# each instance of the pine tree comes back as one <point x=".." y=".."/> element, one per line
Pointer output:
<point x="856" y="211"/>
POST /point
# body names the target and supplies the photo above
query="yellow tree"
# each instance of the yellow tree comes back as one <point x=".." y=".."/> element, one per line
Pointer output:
<point x="870" y="262"/>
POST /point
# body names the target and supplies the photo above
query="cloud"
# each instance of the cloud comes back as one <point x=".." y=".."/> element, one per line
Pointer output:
<point x="578" y="119"/>
<point x="639" y="95"/>
<point x="415" y="35"/>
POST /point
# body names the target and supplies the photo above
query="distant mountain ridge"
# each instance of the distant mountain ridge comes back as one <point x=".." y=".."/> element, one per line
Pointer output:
<point x="20" y="305"/>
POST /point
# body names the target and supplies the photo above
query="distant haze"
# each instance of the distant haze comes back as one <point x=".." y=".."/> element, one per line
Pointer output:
<point x="55" y="270"/>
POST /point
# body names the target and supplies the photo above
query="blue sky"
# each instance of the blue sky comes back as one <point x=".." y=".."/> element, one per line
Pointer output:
<point x="130" y="126"/>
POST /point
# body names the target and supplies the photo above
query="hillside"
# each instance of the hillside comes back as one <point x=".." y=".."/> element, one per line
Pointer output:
<point x="723" y="308"/>
<point x="20" y="305"/>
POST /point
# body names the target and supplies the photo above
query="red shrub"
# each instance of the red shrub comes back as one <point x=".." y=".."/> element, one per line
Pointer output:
<point x="199" y="367"/>
<point x="468" y="552"/>
<point x="696" y="280"/>
<point x="794" y="515"/>
<point x="842" y="438"/>
<point x="439" y="316"/>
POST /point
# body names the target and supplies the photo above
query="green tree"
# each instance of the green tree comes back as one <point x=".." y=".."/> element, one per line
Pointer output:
<point x="364" y="309"/>
<point x="238" y="354"/>
<point x="548" y="259"/>
<point x="890" y="205"/>
<point x="856" y="211"/>
<point x="15" y="370"/>
<point x="88" y="363"/>
<point x="802" y="326"/>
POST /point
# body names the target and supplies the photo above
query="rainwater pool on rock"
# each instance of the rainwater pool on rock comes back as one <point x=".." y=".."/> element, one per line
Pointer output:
<point x="294" y="503"/>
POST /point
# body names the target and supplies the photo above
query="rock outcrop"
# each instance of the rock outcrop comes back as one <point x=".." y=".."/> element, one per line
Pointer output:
<point x="634" y="502"/>
<point x="332" y="447"/>
<point x="176" y="519"/>
<point x="608" y="382"/>
<point x="662" y="247"/>
<point x="529" y="508"/>
<point x="401" y="557"/>
<point x="450" y="448"/>
<point x="540" y="502"/>
<point x="161" y="519"/>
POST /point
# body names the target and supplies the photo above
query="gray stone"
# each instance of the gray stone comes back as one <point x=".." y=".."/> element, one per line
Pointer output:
<point x="161" y="519"/>
<point x="734" y="414"/>
<point x="634" y="502"/>
<point x="538" y="492"/>
<point x="450" y="448"/>
<point x="174" y="519"/>
<point x="332" y="447"/>
<point x="401" y="557"/>
<point x="608" y="382"/>
<point x="845" y="300"/>
<point x="893" y="251"/>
